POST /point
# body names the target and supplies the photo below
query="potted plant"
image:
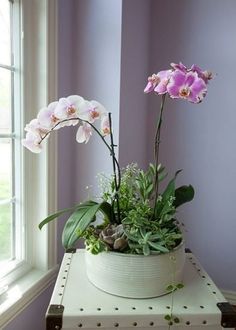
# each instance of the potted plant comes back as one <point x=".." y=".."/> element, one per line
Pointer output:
<point x="134" y="243"/>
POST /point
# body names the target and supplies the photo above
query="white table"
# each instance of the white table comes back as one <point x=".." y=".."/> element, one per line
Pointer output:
<point x="77" y="304"/>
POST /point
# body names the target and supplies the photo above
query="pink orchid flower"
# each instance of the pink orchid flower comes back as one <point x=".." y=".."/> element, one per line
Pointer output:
<point x="179" y="66"/>
<point x="158" y="82"/>
<point x="205" y="75"/>
<point x="187" y="86"/>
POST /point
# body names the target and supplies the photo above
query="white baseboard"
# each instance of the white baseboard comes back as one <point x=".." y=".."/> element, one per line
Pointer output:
<point x="230" y="296"/>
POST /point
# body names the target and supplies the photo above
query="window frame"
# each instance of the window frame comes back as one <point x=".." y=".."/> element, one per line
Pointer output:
<point x="38" y="65"/>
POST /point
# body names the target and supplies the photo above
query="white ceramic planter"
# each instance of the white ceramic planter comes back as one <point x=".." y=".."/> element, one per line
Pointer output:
<point x="135" y="276"/>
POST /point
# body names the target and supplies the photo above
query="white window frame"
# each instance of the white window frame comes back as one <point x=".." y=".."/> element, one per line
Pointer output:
<point x="39" y="187"/>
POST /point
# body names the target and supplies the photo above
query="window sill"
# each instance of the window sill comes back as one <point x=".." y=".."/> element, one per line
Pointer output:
<point x="22" y="292"/>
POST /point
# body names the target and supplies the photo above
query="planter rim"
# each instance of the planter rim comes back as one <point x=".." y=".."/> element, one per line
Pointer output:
<point x="127" y="255"/>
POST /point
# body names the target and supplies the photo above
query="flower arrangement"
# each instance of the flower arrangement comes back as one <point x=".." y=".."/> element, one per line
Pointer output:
<point x="134" y="216"/>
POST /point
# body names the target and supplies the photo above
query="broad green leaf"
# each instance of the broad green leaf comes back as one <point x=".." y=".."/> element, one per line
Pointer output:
<point x="169" y="192"/>
<point x="80" y="220"/>
<point x="183" y="195"/>
<point x="56" y="215"/>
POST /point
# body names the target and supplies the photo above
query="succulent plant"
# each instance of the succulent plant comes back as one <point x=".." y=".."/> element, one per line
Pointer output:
<point x="113" y="235"/>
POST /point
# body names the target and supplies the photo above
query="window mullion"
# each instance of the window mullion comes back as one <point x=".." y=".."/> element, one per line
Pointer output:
<point x="7" y="67"/>
<point x="7" y="201"/>
<point x="8" y="136"/>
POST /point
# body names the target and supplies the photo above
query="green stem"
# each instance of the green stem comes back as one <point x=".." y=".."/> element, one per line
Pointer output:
<point x="116" y="181"/>
<point x="156" y="152"/>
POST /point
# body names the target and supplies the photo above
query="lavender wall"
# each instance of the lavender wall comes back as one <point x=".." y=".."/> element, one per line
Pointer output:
<point x="133" y="132"/>
<point x="104" y="50"/>
<point x="200" y="138"/>
<point x="33" y="316"/>
<point x="66" y="87"/>
<point x="96" y="64"/>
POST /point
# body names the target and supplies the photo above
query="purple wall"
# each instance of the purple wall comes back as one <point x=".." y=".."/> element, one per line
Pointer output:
<point x="96" y="63"/>
<point x="200" y="138"/>
<point x="32" y="318"/>
<point x="105" y="49"/>
<point x="133" y="135"/>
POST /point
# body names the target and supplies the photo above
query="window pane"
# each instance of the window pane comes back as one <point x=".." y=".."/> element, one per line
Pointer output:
<point x="5" y="32"/>
<point x="5" y="101"/>
<point x="5" y="170"/>
<point x="5" y="232"/>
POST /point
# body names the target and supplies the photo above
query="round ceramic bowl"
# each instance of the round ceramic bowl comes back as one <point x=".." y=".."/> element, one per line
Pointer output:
<point x="135" y="276"/>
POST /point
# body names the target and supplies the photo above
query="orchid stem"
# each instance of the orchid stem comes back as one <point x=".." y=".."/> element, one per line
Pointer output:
<point x="116" y="181"/>
<point x="111" y="149"/>
<point x="156" y="152"/>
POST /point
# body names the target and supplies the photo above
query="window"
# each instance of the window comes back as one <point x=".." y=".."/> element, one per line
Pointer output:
<point x="11" y="233"/>
<point x="28" y="69"/>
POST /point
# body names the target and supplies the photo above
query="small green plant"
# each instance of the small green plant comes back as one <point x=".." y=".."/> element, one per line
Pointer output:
<point x="139" y="232"/>
<point x="171" y="318"/>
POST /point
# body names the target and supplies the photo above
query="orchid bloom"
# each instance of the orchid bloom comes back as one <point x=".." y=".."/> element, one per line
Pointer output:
<point x="105" y="125"/>
<point x="91" y="111"/>
<point x="46" y="116"/>
<point x="84" y="133"/>
<point x="158" y="82"/>
<point x="32" y="142"/>
<point x="205" y="75"/>
<point x="68" y="107"/>
<point x="187" y="86"/>
<point x="180" y="82"/>
<point x="179" y="66"/>
<point x="65" y="112"/>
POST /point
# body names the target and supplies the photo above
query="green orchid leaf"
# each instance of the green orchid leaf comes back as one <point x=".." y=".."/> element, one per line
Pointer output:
<point x="81" y="219"/>
<point x="183" y="195"/>
<point x="56" y="215"/>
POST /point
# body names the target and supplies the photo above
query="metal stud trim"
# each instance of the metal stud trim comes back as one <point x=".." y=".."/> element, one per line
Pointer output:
<point x="71" y="250"/>
<point x="228" y="319"/>
<point x="54" y="317"/>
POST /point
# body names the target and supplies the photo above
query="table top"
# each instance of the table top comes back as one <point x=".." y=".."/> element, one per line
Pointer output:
<point x="87" y="306"/>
